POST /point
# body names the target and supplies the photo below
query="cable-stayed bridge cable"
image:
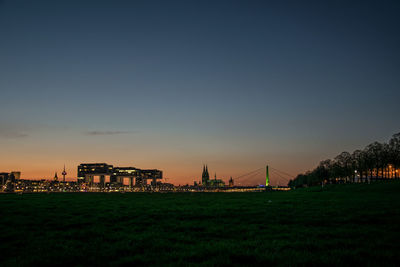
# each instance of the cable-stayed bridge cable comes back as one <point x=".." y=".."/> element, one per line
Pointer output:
<point x="282" y="172"/>
<point x="238" y="177"/>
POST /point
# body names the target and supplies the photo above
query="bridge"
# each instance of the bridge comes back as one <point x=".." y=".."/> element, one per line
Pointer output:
<point x="263" y="177"/>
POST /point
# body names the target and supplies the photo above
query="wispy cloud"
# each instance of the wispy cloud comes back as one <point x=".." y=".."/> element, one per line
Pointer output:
<point x="5" y="133"/>
<point x="94" y="133"/>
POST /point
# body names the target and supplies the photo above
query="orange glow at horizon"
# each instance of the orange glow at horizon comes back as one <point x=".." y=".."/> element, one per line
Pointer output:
<point x="181" y="160"/>
<point x="175" y="174"/>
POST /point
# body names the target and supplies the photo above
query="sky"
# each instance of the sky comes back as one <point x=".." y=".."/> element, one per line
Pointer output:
<point x="174" y="85"/>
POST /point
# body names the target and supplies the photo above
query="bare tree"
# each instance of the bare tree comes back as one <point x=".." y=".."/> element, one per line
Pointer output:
<point x="394" y="153"/>
<point x="371" y="163"/>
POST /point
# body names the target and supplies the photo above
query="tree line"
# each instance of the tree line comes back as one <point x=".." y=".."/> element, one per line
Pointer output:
<point x="375" y="161"/>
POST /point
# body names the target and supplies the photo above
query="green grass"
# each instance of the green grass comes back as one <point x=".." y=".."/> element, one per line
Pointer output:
<point x="341" y="225"/>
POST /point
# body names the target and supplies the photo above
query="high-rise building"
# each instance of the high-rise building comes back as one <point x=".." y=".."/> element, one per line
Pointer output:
<point x="9" y="177"/>
<point x="87" y="172"/>
<point x="4" y="177"/>
<point x="87" y="169"/>
<point x="17" y="175"/>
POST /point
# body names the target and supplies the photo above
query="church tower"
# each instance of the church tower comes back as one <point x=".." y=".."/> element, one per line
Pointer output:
<point x="231" y="182"/>
<point x="55" y="177"/>
<point x="205" y="177"/>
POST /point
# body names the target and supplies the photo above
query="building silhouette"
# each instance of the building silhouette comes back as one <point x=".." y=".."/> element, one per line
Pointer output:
<point x="4" y="176"/>
<point x="17" y="175"/>
<point x="103" y="173"/>
<point x="205" y="177"/>
<point x="7" y="181"/>
<point x="207" y="182"/>
<point x="231" y="182"/>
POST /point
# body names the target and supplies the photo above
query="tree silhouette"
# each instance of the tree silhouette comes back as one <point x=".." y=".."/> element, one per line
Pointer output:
<point x="375" y="161"/>
<point x="394" y="153"/>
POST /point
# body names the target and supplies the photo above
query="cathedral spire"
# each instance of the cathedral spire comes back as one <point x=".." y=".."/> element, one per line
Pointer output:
<point x="205" y="177"/>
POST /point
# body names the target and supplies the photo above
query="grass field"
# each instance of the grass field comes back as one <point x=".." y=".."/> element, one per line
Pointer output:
<point x="342" y="225"/>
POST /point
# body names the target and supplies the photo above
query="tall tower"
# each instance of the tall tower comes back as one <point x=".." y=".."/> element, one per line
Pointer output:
<point x="64" y="173"/>
<point x="202" y="174"/>
<point x="266" y="176"/>
<point x="205" y="176"/>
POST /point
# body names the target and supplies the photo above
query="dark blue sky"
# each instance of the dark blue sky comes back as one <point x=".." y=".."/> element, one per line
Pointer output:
<point x="175" y="84"/>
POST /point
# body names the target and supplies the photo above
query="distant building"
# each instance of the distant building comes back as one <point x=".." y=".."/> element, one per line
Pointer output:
<point x="17" y="175"/>
<point x="205" y="177"/>
<point x="231" y="182"/>
<point x="216" y="182"/>
<point x="55" y="177"/>
<point x="6" y="178"/>
<point x="89" y="172"/>
<point x="152" y="174"/>
<point x="121" y="174"/>
<point x="206" y="182"/>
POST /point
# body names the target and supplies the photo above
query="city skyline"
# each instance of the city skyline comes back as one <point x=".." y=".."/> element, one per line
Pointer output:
<point x="174" y="85"/>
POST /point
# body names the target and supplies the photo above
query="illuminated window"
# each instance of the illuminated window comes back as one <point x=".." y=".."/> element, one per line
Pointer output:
<point x="96" y="179"/>
<point x="126" y="181"/>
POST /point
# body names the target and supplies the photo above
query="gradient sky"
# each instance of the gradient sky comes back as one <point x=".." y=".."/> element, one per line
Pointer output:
<point x="175" y="84"/>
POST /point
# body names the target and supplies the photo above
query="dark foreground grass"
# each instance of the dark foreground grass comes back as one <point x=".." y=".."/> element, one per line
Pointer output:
<point x="342" y="225"/>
